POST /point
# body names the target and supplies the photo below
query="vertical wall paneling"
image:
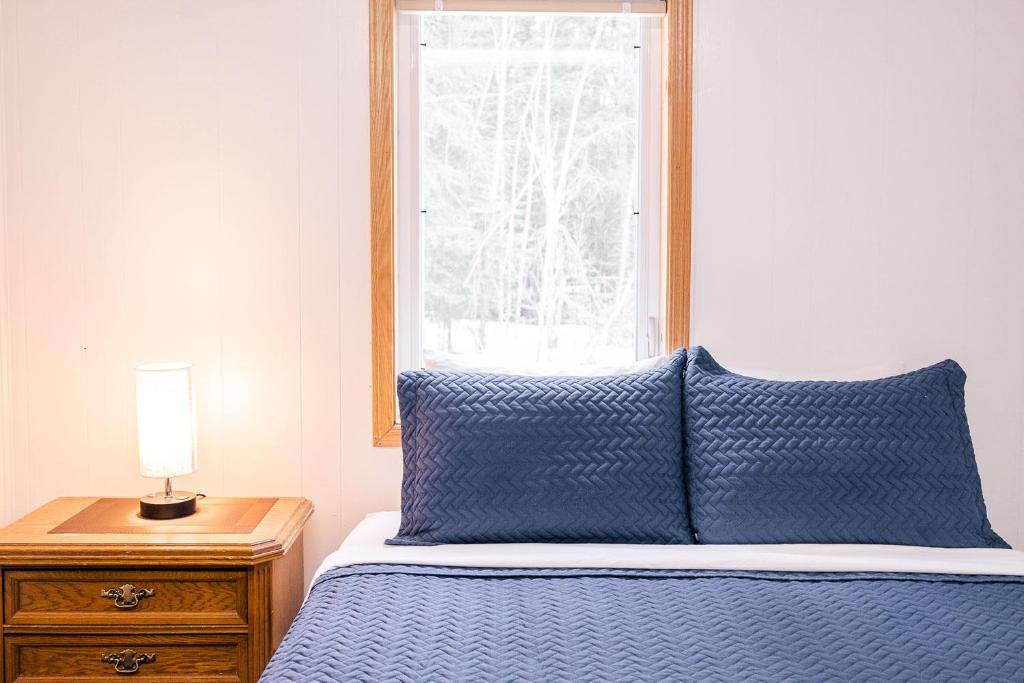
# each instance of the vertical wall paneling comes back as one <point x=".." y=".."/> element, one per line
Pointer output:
<point x="105" y="255"/>
<point x="320" y="290"/>
<point x="171" y="177"/>
<point x="992" y="330"/>
<point x="15" y="408"/>
<point x="152" y="260"/>
<point x="188" y="179"/>
<point x="858" y="205"/>
<point x="6" y="443"/>
<point x="370" y="476"/>
<point x="48" y="206"/>
<point x="259" y="116"/>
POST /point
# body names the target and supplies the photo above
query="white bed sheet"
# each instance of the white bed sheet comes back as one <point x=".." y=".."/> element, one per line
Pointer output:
<point x="365" y="545"/>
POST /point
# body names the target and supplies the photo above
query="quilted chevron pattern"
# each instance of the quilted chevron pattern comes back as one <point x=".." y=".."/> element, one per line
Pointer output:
<point x="502" y="458"/>
<point x="430" y="624"/>
<point x="885" y="461"/>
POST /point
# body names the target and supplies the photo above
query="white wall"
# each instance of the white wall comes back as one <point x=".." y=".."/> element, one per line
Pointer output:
<point x="859" y="199"/>
<point x="186" y="179"/>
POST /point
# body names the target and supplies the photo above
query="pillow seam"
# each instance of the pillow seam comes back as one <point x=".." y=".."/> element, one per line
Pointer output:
<point x="971" y="460"/>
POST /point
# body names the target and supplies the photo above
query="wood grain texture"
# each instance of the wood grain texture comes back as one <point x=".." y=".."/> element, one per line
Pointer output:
<point x="259" y="616"/>
<point x="285" y="601"/>
<point x="275" y="596"/>
<point x="678" y="180"/>
<point x="677" y="185"/>
<point x="197" y="659"/>
<point x="382" y="222"/>
<point x="29" y="541"/>
<point x="220" y="603"/>
<point x="212" y="516"/>
<point x="73" y="597"/>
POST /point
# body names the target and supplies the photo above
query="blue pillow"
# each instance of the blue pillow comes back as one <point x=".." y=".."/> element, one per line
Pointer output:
<point x="507" y="459"/>
<point x="884" y="461"/>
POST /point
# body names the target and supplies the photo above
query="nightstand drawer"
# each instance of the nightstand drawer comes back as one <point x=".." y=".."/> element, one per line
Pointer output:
<point x="197" y="659"/>
<point x="87" y="588"/>
<point x="137" y="597"/>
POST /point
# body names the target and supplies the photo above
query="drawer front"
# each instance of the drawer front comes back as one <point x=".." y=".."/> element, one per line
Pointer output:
<point x="198" y="659"/>
<point x="136" y="597"/>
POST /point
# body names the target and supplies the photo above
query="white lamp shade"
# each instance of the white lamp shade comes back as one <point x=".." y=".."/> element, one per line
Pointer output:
<point x="166" y="418"/>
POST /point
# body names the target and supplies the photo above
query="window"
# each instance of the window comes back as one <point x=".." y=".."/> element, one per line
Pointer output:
<point x="529" y="168"/>
<point x="530" y="176"/>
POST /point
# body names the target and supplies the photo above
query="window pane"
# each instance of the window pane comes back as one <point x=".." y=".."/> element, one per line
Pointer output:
<point x="529" y="164"/>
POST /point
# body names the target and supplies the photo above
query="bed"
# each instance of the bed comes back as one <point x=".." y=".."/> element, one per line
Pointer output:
<point x="622" y="612"/>
<point x="680" y="523"/>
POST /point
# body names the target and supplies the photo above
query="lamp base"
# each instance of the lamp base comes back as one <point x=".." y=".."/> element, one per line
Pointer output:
<point x="161" y="506"/>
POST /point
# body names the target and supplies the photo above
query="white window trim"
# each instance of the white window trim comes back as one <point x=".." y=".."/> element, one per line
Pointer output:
<point x="408" y="245"/>
<point x="649" y="231"/>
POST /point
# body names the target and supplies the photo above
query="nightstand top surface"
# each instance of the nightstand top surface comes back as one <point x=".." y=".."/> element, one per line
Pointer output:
<point x="224" y="531"/>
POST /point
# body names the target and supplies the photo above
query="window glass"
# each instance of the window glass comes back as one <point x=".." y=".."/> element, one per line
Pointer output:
<point x="529" y="160"/>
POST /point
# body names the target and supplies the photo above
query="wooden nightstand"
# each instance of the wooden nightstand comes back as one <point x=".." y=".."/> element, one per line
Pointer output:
<point x="93" y="592"/>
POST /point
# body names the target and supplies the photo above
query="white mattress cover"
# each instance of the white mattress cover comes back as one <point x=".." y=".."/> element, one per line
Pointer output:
<point x="365" y="545"/>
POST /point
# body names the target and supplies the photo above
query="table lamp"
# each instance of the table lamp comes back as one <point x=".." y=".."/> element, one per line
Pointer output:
<point x="164" y="403"/>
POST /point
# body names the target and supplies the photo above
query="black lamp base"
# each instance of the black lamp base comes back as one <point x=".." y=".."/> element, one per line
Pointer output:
<point x="162" y="506"/>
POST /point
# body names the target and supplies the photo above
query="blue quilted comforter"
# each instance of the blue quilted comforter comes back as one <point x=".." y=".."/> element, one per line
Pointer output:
<point x="405" y="623"/>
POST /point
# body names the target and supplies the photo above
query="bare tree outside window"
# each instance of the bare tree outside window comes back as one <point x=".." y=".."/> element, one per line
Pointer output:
<point x="529" y="167"/>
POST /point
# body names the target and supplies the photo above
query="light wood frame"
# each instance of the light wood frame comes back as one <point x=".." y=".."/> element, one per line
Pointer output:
<point x="677" y="199"/>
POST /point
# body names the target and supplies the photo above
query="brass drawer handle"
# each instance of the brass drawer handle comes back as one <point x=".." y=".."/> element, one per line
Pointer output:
<point x="128" y="661"/>
<point x="127" y="596"/>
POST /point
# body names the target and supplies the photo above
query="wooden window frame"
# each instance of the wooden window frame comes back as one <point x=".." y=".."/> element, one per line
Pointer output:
<point x="676" y="198"/>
